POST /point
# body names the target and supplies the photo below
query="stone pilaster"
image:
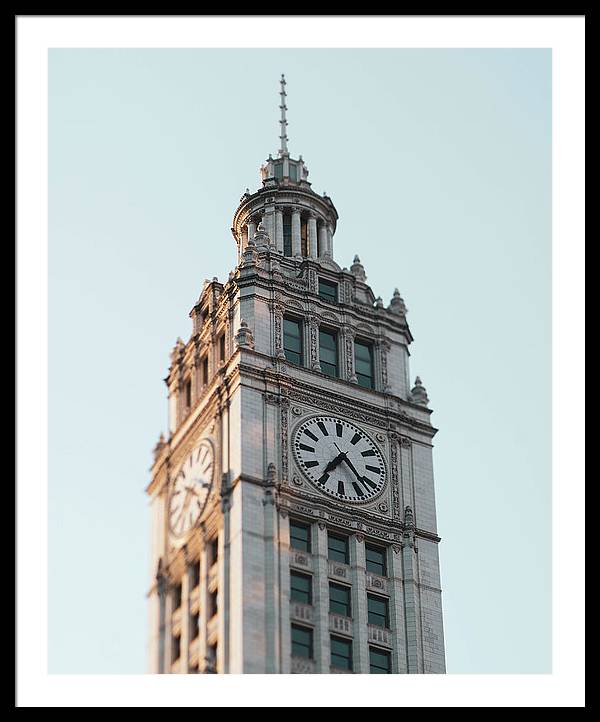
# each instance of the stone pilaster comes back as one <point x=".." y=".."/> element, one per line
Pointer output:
<point x="359" y="604"/>
<point x="296" y="244"/>
<point x="322" y="644"/>
<point x="312" y="236"/>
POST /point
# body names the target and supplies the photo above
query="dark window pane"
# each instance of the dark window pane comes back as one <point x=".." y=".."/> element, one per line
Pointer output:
<point x="301" y="588"/>
<point x="302" y="642"/>
<point x="300" y="536"/>
<point x="304" y="238"/>
<point x="328" y="356"/>
<point x="195" y="574"/>
<point x="177" y="596"/>
<point x="278" y="171"/>
<point x="328" y="290"/>
<point x="338" y="548"/>
<point x="293" y="172"/>
<point x="378" y="611"/>
<point x="213" y="550"/>
<point x="380" y="661"/>
<point x="339" y="600"/>
<point x="292" y="340"/>
<point x="222" y="347"/>
<point x="213" y="603"/>
<point x="194" y="626"/>
<point x="341" y="653"/>
<point x="375" y="557"/>
<point x="175" y="648"/>
<point x="205" y="370"/>
<point x="363" y="364"/>
<point x="287" y="234"/>
<point x="188" y="393"/>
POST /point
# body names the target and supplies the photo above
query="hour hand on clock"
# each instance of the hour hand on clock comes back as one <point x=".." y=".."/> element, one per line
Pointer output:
<point x="331" y="466"/>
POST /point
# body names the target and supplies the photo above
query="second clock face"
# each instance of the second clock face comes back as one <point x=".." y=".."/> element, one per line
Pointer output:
<point x="190" y="488"/>
<point x="340" y="459"/>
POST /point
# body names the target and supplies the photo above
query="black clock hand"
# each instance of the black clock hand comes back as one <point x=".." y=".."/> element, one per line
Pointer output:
<point x="332" y="464"/>
<point x="351" y="465"/>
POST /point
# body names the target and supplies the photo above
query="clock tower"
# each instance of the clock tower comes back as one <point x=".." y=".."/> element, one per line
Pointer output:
<point x="293" y="509"/>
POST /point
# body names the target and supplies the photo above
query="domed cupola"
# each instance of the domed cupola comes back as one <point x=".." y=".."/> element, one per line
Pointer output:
<point x="300" y="222"/>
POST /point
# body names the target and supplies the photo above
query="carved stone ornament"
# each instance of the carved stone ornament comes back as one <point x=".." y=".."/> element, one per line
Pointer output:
<point x="296" y="410"/>
<point x="359" y="538"/>
<point x="383" y="507"/>
<point x="244" y="337"/>
<point x="322" y="525"/>
<point x="297" y="480"/>
<point x="380" y="437"/>
<point x="396" y="548"/>
<point x="406" y="442"/>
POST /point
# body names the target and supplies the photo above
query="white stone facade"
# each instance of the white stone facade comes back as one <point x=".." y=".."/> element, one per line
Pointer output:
<point x="220" y="598"/>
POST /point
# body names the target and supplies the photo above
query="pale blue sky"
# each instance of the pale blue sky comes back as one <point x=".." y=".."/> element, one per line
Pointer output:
<point x="439" y="164"/>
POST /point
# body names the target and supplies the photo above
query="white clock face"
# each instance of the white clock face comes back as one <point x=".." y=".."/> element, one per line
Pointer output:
<point x="340" y="459"/>
<point x="190" y="488"/>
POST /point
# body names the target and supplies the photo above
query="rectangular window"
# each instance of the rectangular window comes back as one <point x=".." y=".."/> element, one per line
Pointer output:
<point x="204" y="366"/>
<point x="188" y="394"/>
<point x="175" y="648"/>
<point x="301" y="588"/>
<point x="328" y="353"/>
<point x="302" y="642"/>
<point x="341" y="653"/>
<point x="213" y="603"/>
<point x="300" y="536"/>
<point x="363" y="364"/>
<point x="378" y="611"/>
<point x="278" y="171"/>
<point x="304" y="238"/>
<point x="212" y="658"/>
<point x="213" y="550"/>
<point x="222" y="347"/>
<point x="339" y="600"/>
<point x="292" y="340"/>
<point x="328" y="290"/>
<point x="293" y="172"/>
<point x="287" y="234"/>
<point x="194" y="626"/>
<point x="376" y="561"/>
<point x="195" y="574"/>
<point x="337" y="548"/>
<point x="380" y="661"/>
<point x="177" y="596"/>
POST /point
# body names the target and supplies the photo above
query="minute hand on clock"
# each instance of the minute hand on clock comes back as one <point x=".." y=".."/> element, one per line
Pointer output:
<point x="351" y="465"/>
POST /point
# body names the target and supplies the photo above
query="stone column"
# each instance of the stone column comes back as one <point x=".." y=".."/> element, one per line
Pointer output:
<point x="360" y="645"/>
<point x="251" y="230"/>
<point x="348" y="350"/>
<point x="313" y="334"/>
<point x="322" y="644"/>
<point x="312" y="236"/>
<point x="411" y="604"/>
<point x="329" y="241"/>
<point x="322" y="239"/>
<point x="296" y="245"/>
<point x="168" y="632"/>
<point x="278" y="240"/>
<point x="203" y="609"/>
<point x="399" y="658"/>
<point x="285" y="663"/>
<point x="184" y="655"/>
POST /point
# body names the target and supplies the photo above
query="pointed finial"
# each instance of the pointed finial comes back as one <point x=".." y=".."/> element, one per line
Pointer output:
<point x="358" y="270"/>
<point x="418" y="393"/>
<point x="283" y="122"/>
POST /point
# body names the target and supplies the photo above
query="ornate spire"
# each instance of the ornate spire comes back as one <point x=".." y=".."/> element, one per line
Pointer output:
<point x="283" y="150"/>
